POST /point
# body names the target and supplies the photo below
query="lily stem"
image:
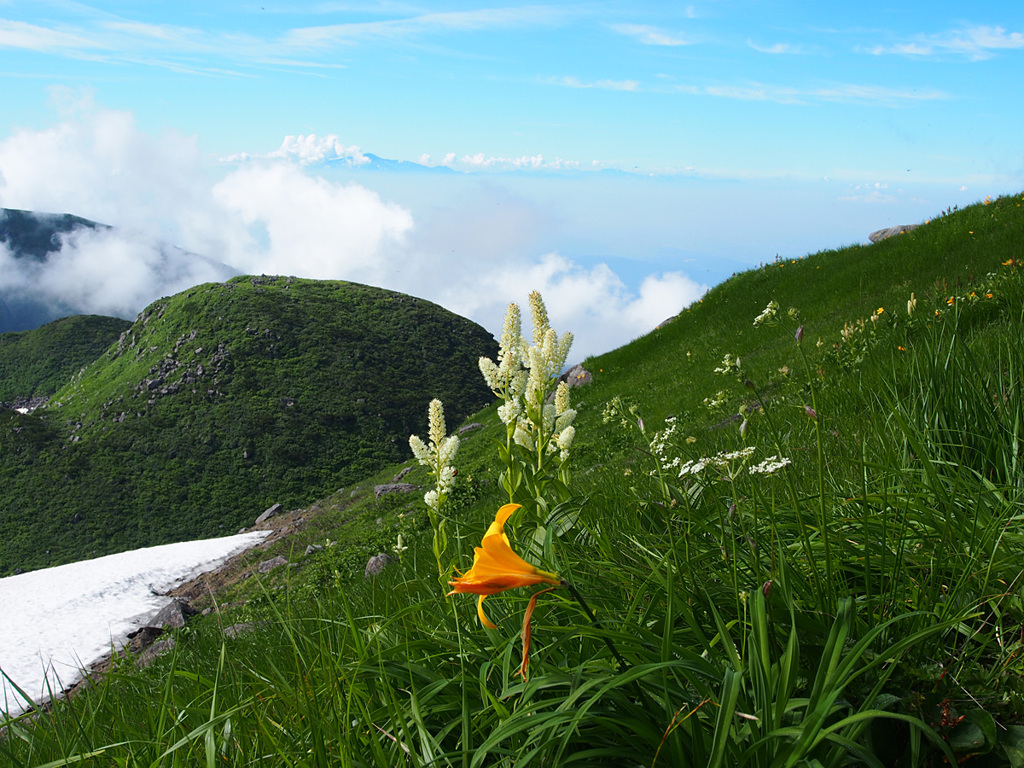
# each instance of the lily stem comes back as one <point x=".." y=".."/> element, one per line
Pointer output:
<point x="590" y="615"/>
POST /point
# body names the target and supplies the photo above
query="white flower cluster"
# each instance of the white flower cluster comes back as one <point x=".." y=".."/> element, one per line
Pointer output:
<point x="716" y="402"/>
<point x="507" y="378"/>
<point x="659" y="444"/>
<point x="721" y="460"/>
<point x="769" y="313"/>
<point x="770" y="466"/>
<point x="730" y="365"/>
<point x="438" y="455"/>
<point x="692" y="467"/>
<point x="524" y="376"/>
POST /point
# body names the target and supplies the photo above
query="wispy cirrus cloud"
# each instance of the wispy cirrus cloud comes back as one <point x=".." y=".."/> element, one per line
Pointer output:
<point x="777" y="48"/>
<point x="427" y="23"/>
<point x="20" y="34"/>
<point x="649" y="35"/>
<point x="178" y="49"/>
<point x="192" y="50"/>
<point x="568" y="81"/>
<point x="849" y="93"/>
<point x="974" y="42"/>
<point x="839" y="92"/>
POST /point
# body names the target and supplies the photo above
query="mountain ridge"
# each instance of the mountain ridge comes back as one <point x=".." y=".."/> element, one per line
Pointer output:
<point x="222" y="400"/>
<point x="37" y="247"/>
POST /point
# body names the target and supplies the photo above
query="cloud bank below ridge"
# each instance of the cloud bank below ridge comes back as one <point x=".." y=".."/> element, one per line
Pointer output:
<point x="470" y="252"/>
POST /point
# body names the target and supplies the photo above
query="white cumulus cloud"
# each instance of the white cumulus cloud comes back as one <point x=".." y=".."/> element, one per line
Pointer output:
<point x="302" y="225"/>
<point x="307" y="150"/>
<point x="469" y="245"/>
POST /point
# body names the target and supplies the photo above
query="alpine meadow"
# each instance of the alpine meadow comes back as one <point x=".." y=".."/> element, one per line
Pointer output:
<point x="781" y="529"/>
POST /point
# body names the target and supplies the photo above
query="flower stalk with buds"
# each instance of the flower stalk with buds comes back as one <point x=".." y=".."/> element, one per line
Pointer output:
<point x="536" y="408"/>
<point x="437" y="455"/>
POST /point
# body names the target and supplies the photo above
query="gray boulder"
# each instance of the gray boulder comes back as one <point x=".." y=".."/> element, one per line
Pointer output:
<point x="174" y="614"/>
<point x="268" y="565"/>
<point x="882" y="234"/>
<point x="377" y="564"/>
<point x="268" y="513"/>
<point x="237" y="630"/>
<point x="576" y="376"/>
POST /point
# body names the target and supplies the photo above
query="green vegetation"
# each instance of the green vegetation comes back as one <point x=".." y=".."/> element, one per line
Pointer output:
<point x="220" y="401"/>
<point x="811" y="557"/>
<point x="37" y="363"/>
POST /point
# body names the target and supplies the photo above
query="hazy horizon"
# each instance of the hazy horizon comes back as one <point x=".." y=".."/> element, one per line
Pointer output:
<point x="621" y="158"/>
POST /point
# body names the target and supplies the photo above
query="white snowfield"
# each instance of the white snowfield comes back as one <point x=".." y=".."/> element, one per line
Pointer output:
<point x="56" y="621"/>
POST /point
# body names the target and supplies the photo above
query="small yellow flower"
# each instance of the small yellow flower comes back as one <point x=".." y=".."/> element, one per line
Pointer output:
<point x="950" y="301"/>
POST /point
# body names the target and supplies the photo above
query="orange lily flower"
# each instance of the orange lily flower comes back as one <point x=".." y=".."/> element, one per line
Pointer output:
<point x="496" y="567"/>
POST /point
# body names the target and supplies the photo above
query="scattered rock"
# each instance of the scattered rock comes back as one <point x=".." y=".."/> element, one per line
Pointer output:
<point x="467" y="428"/>
<point x="377" y="564"/>
<point x="156" y="649"/>
<point x="576" y="376"/>
<point x="268" y="565"/>
<point x="174" y="614"/>
<point x="405" y="471"/>
<point x="143" y="637"/>
<point x="383" y="490"/>
<point x="313" y="548"/>
<point x="882" y="234"/>
<point x="268" y="513"/>
<point x="237" y="630"/>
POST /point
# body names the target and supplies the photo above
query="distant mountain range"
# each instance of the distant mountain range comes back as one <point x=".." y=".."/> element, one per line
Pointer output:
<point x="33" y="240"/>
<point x="384" y="164"/>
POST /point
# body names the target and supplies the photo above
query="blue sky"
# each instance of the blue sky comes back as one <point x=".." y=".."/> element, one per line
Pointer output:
<point x="747" y="129"/>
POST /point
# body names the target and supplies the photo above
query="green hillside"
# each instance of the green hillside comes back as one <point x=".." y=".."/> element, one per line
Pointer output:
<point x="785" y="532"/>
<point x="671" y="370"/>
<point x="220" y="401"/>
<point x="37" y="363"/>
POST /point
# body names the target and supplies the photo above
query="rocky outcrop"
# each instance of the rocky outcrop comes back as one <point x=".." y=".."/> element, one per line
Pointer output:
<point x="268" y="565"/>
<point x="882" y="234"/>
<point x="174" y="614"/>
<point x="147" y="642"/>
<point x="269" y="513"/>
<point x="577" y="376"/>
<point x="384" y="490"/>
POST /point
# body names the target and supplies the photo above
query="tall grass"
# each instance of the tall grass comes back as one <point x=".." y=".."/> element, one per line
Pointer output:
<point x="861" y="604"/>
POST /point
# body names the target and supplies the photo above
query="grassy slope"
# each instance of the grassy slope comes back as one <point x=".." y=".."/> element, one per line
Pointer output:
<point x="223" y="400"/>
<point x="38" y="362"/>
<point x="370" y="670"/>
<point x="671" y="369"/>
